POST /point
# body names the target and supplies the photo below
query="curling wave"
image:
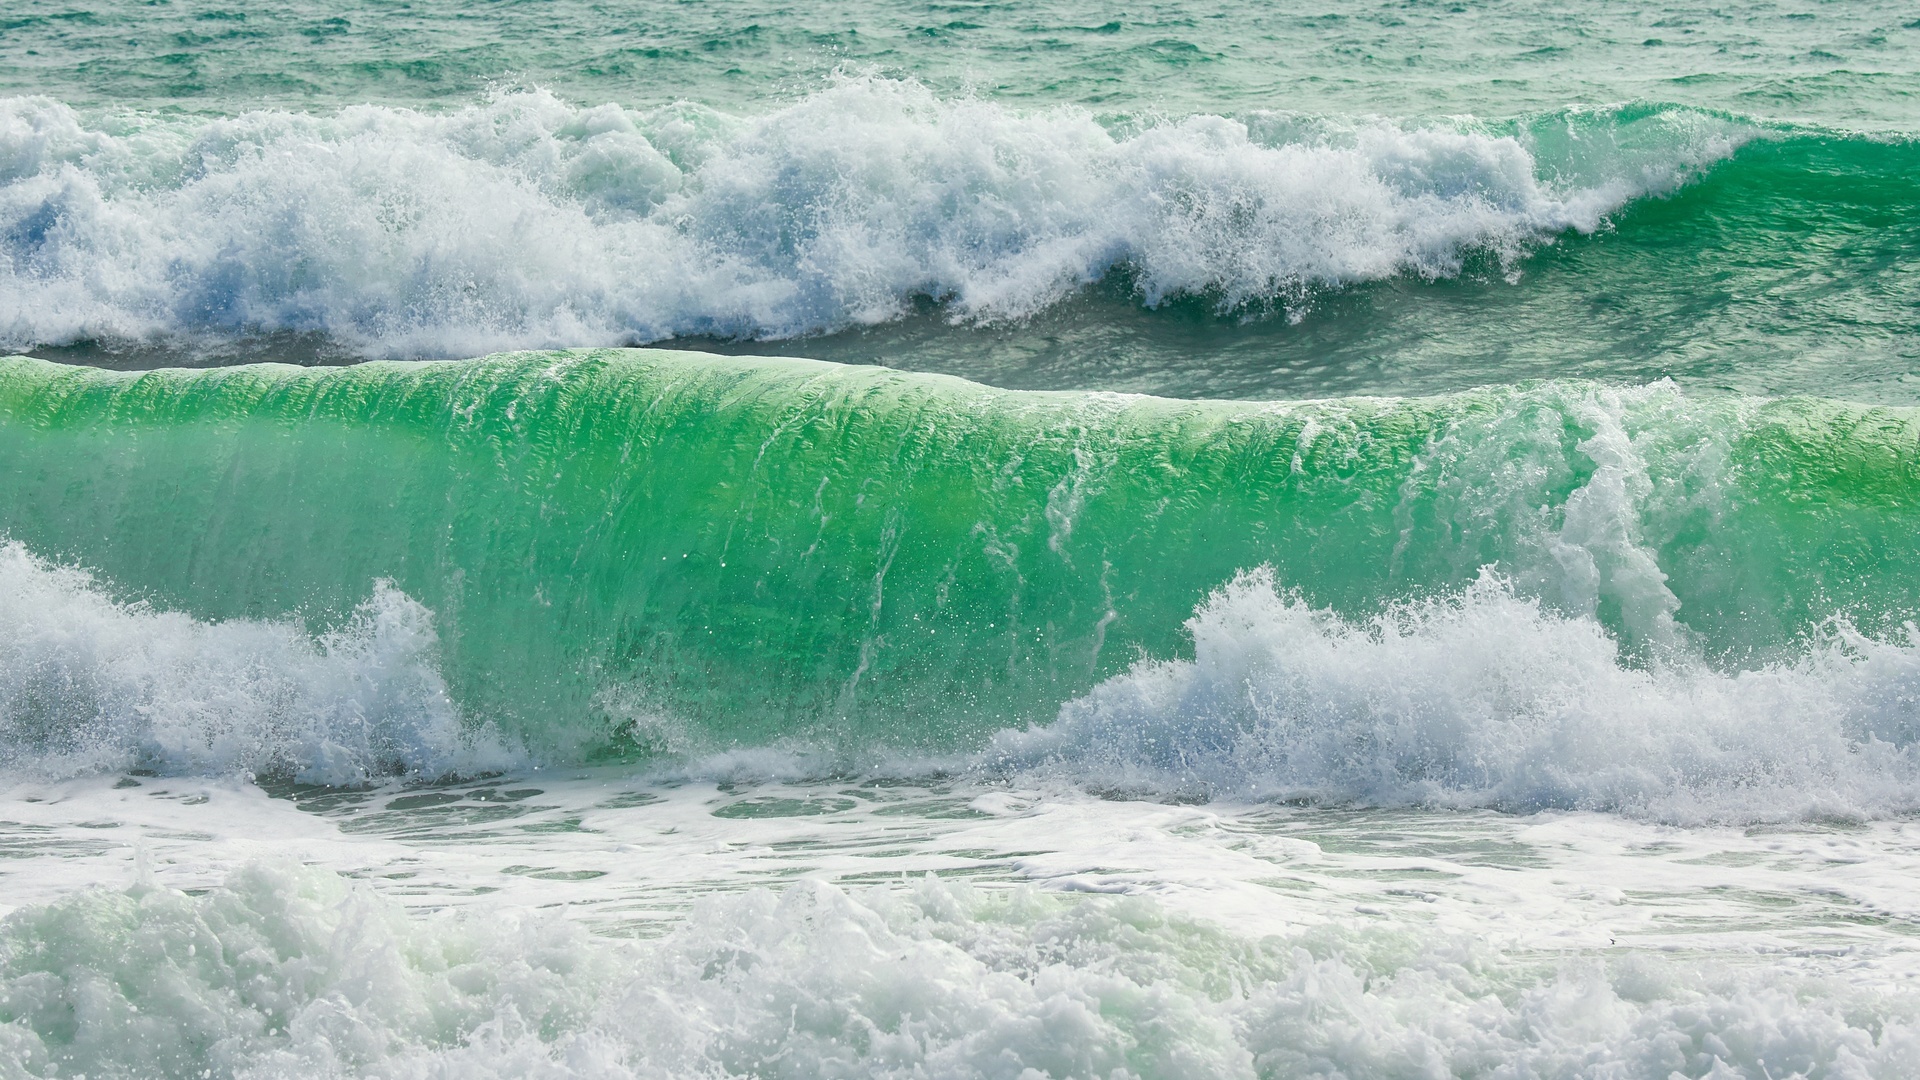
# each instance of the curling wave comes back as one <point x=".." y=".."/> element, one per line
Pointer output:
<point x="645" y="554"/>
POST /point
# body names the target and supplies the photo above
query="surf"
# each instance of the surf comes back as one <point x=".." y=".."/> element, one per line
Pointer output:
<point x="648" y="555"/>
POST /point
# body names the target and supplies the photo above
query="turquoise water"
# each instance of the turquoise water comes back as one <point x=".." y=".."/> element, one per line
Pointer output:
<point x="768" y="548"/>
<point x="1840" y="65"/>
<point x="709" y="539"/>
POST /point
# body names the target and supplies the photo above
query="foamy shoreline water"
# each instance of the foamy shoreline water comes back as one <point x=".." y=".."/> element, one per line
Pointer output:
<point x="1249" y="939"/>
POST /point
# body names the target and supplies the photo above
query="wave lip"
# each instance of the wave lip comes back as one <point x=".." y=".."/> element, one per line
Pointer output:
<point x="1485" y="698"/>
<point x="528" y="222"/>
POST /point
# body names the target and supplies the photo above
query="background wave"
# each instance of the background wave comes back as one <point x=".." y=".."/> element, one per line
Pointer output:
<point x="530" y="222"/>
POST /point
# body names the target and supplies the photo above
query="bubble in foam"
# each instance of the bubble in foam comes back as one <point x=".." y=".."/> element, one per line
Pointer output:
<point x="88" y="683"/>
<point x="294" y="972"/>
<point x="529" y="222"/>
<point x="1488" y="698"/>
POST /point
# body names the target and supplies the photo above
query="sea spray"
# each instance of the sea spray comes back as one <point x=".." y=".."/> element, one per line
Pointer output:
<point x="1471" y="699"/>
<point x="1550" y="712"/>
<point x="1483" y="698"/>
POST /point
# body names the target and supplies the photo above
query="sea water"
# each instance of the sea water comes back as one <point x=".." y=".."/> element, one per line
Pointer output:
<point x="959" y="539"/>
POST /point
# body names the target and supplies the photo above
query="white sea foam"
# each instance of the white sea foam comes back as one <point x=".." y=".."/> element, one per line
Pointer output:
<point x="1486" y="698"/>
<point x="526" y="221"/>
<point x="88" y="684"/>
<point x="287" y="972"/>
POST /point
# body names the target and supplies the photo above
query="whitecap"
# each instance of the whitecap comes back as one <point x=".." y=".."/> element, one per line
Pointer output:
<point x="526" y="221"/>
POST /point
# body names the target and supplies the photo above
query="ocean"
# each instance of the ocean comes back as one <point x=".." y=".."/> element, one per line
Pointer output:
<point x="702" y="538"/>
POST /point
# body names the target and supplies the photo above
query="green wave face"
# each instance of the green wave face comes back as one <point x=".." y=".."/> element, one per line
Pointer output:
<point x="629" y="551"/>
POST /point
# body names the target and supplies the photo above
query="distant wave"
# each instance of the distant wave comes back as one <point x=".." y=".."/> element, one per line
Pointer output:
<point x="526" y="221"/>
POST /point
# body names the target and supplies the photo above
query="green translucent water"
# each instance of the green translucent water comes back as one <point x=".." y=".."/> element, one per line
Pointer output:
<point x="763" y="547"/>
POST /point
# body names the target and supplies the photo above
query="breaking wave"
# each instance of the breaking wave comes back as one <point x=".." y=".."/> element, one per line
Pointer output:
<point x="526" y="221"/>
